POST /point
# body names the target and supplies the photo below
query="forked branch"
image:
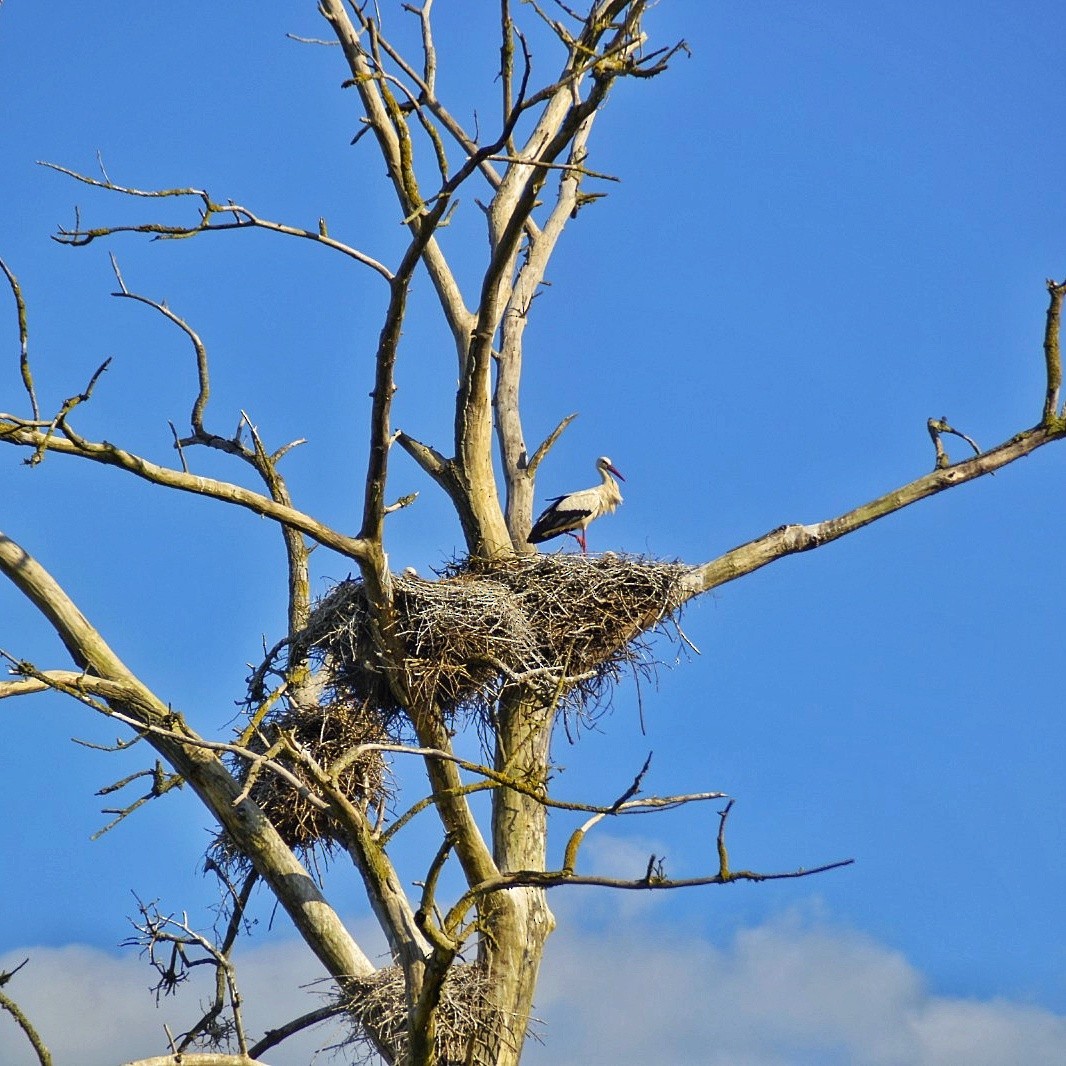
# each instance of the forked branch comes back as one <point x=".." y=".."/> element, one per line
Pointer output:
<point x="654" y="877"/>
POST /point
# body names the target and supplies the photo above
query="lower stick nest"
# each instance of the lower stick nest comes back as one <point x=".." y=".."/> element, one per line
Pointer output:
<point x="325" y="734"/>
<point x="563" y="626"/>
<point x="380" y="1002"/>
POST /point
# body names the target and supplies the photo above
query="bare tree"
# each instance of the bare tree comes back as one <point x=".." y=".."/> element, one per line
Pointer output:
<point x="506" y="645"/>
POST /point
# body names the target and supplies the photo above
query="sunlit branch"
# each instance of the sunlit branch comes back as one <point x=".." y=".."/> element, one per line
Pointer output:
<point x="790" y="539"/>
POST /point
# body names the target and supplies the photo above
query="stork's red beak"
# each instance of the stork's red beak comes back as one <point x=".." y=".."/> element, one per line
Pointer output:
<point x="617" y="473"/>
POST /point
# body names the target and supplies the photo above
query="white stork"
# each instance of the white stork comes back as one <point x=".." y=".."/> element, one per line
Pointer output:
<point x="565" y="514"/>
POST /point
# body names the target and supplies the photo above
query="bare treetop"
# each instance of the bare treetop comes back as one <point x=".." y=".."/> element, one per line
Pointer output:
<point x="506" y="646"/>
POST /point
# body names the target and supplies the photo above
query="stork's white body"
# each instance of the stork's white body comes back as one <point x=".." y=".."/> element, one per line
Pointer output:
<point x="573" y="513"/>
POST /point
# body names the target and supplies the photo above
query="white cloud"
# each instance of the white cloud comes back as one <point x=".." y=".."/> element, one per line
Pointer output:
<point x="789" y="993"/>
<point x="94" y="1008"/>
<point x="782" y="994"/>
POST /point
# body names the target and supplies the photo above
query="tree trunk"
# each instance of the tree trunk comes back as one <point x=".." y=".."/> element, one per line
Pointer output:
<point x="518" y="919"/>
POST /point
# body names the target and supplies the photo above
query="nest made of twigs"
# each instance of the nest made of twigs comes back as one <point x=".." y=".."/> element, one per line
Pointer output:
<point x="325" y="733"/>
<point x="563" y="626"/>
<point x="561" y="622"/>
<point x="380" y="1002"/>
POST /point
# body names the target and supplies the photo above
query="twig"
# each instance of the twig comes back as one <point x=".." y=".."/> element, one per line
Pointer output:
<point x="937" y="426"/>
<point x="243" y="218"/>
<point x="547" y="444"/>
<point x="1052" y="356"/>
<point x="24" y="338"/>
<point x="44" y="1056"/>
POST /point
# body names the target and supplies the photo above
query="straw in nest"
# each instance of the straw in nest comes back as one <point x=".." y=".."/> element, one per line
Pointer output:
<point x="380" y="1001"/>
<point x="564" y="622"/>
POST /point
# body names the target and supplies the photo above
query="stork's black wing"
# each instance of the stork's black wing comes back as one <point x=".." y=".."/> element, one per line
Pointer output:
<point x="556" y="520"/>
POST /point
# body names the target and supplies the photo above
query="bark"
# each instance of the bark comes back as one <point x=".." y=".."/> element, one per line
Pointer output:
<point x="519" y="919"/>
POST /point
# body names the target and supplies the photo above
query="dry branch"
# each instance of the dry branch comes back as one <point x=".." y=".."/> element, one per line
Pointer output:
<point x="210" y="211"/>
<point x="19" y="432"/>
<point x="7" y="1004"/>
<point x="24" y="338"/>
<point x="790" y="539"/>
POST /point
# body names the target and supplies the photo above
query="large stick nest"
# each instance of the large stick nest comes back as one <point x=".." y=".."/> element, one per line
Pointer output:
<point x="563" y="623"/>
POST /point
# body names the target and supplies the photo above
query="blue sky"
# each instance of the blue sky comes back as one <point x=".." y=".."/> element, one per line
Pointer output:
<point x="835" y="221"/>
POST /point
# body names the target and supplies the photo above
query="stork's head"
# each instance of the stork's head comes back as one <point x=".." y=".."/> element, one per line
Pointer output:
<point x="605" y="466"/>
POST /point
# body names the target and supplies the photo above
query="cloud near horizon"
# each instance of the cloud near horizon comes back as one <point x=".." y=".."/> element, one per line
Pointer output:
<point x="792" y="991"/>
<point x="788" y="992"/>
